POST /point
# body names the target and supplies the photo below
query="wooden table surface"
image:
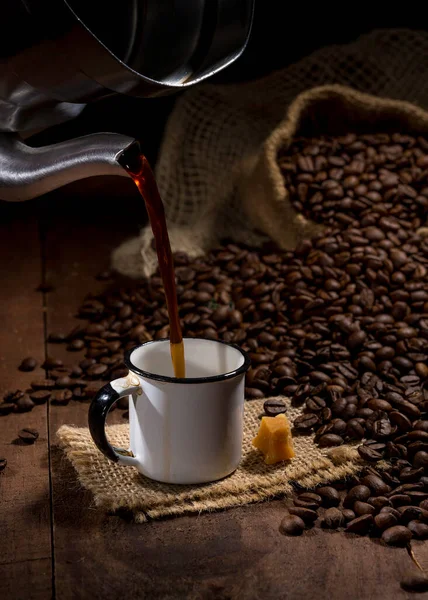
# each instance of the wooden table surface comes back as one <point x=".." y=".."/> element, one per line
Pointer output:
<point x="54" y="543"/>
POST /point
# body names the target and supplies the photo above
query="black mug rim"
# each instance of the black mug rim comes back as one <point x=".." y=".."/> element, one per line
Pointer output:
<point x="166" y="379"/>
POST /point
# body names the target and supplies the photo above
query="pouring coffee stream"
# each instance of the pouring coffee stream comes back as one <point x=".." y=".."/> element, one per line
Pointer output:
<point x="137" y="166"/>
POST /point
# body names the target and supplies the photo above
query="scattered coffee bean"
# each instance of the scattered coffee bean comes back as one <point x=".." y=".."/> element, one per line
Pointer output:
<point x="360" y="525"/>
<point x="274" y="407"/>
<point x="330" y="439"/>
<point x="385" y="520"/>
<point x="40" y="396"/>
<point x="306" y="514"/>
<point x="28" y="364"/>
<point x="43" y="384"/>
<point x="369" y="454"/>
<point x="348" y="514"/>
<point x="96" y="370"/>
<point x="398" y="535"/>
<point x="76" y="345"/>
<point x="29" y="436"/>
<point x="418" y="529"/>
<point x="333" y="518"/>
<point x="358" y="492"/>
<point x="329" y="496"/>
<point x="57" y="338"/>
<point x="52" y="363"/>
<point x="415" y="582"/>
<point x="292" y="525"/>
<point x="363" y="508"/>
<point x="24" y="404"/>
<point x="377" y="486"/>
<point x="6" y="408"/>
<point x="61" y="397"/>
<point x="3" y="464"/>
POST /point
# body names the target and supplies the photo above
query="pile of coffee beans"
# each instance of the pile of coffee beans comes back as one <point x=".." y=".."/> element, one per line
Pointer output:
<point x="340" y="324"/>
<point x="340" y="181"/>
<point x="386" y="504"/>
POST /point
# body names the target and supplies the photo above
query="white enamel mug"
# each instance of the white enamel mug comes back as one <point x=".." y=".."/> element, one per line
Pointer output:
<point x="181" y="430"/>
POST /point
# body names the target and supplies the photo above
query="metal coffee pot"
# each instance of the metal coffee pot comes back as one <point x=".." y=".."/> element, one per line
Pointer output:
<point x="58" y="55"/>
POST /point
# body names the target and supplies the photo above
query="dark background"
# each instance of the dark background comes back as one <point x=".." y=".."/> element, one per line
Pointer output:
<point x="283" y="33"/>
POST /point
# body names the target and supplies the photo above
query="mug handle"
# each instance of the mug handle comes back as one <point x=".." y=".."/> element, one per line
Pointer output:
<point x="98" y="411"/>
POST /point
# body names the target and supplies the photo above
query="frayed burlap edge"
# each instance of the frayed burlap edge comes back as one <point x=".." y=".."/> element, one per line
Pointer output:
<point x="324" y="110"/>
<point x="114" y="487"/>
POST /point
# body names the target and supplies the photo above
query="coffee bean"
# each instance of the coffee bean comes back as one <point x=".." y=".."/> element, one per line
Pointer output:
<point x="6" y="408"/>
<point x="306" y="514"/>
<point x="329" y="440"/>
<point x="391" y="510"/>
<point x="3" y="464"/>
<point x="43" y="384"/>
<point x="292" y="525"/>
<point x="253" y="393"/>
<point x="399" y="500"/>
<point x="363" y="508"/>
<point x="76" y="371"/>
<point x="377" y="486"/>
<point x="415" y="582"/>
<point x="358" y="492"/>
<point x="96" y="370"/>
<point x="398" y="535"/>
<point x="369" y="454"/>
<point x="63" y="382"/>
<point x="348" y="514"/>
<point x="305" y="422"/>
<point x="401" y="421"/>
<point x="57" y="338"/>
<point x="329" y="496"/>
<point x="311" y="497"/>
<point x="52" y="363"/>
<point x="360" y="525"/>
<point x="61" y="397"/>
<point x="354" y="430"/>
<point x="379" y="502"/>
<point x="28" y="364"/>
<point x="29" y="436"/>
<point x="24" y="404"/>
<point x="76" y="345"/>
<point x="356" y="339"/>
<point x="333" y="518"/>
<point x="418" y="529"/>
<point x="409" y="474"/>
<point x="409" y="513"/>
<point x="385" y="520"/>
<point x="378" y="404"/>
<point x="274" y="407"/>
<point x="40" y="396"/>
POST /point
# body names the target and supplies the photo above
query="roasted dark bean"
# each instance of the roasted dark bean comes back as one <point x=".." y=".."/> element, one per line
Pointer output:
<point x="29" y="436"/>
<point x="274" y="407"/>
<point x="28" y="364"/>
<point x="333" y="518"/>
<point x="398" y="535"/>
<point x="292" y="525"/>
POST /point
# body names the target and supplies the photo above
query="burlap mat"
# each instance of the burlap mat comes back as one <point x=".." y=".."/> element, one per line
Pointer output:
<point x="115" y="487"/>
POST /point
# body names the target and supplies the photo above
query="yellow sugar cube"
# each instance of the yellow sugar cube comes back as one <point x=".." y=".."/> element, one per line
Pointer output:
<point x="274" y="439"/>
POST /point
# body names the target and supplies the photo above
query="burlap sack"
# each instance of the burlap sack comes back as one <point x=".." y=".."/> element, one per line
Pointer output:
<point x="326" y="110"/>
<point x="217" y="170"/>
<point x="115" y="487"/>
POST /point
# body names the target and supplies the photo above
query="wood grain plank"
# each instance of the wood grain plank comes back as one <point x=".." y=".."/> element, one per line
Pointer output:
<point x="233" y="554"/>
<point x="25" y="525"/>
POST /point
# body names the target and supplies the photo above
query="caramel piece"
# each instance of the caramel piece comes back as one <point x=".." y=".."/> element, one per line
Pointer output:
<point x="274" y="439"/>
